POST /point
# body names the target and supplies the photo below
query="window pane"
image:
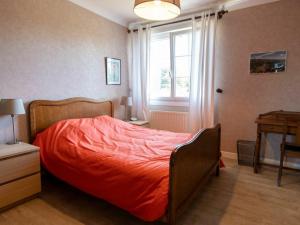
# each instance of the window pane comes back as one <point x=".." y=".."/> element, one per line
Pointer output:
<point x="182" y="86"/>
<point x="182" y="71"/>
<point x="182" y="64"/>
<point x="183" y="44"/>
<point x="160" y="80"/>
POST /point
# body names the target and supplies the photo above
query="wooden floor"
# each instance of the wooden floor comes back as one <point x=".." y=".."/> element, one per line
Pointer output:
<point x="237" y="197"/>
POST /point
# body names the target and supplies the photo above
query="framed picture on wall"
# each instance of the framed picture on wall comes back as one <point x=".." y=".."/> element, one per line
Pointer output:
<point x="113" y="71"/>
<point x="268" y="62"/>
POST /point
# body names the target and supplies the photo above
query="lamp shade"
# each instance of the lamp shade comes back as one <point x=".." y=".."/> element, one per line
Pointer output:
<point x="157" y="9"/>
<point x="12" y="107"/>
<point x="126" y="101"/>
<point x="129" y="101"/>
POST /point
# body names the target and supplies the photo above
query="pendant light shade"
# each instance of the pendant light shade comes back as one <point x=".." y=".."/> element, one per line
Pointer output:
<point x="157" y="9"/>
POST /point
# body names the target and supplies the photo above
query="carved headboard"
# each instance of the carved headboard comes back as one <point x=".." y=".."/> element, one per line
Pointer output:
<point x="44" y="113"/>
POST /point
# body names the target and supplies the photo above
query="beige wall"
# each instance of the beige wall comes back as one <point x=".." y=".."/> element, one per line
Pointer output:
<point x="53" y="49"/>
<point x="268" y="27"/>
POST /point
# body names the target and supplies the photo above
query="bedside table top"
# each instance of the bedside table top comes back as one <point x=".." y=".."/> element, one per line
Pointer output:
<point x="7" y="151"/>
<point x="138" y="122"/>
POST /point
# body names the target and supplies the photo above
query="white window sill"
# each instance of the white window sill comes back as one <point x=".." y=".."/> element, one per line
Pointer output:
<point x="158" y="102"/>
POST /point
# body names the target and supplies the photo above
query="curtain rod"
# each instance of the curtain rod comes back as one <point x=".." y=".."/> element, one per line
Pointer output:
<point x="220" y="16"/>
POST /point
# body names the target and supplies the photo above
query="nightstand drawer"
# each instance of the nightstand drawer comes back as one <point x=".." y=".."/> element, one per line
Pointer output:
<point x="19" y="166"/>
<point x="19" y="189"/>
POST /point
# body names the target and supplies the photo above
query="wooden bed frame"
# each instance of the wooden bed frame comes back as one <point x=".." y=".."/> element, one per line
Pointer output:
<point x="191" y="164"/>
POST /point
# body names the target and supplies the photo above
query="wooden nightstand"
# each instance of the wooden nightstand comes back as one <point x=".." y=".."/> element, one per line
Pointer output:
<point x="20" y="177"/>
<point x="140" y="123"/>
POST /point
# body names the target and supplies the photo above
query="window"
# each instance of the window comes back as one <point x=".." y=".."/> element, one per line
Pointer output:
<point x="170" y="65"/>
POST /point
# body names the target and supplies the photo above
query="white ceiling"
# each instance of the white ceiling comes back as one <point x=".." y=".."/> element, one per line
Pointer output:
<point x="121" y="11"/>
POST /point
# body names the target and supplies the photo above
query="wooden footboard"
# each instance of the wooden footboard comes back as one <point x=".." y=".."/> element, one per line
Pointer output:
<point x="191" y="165"/>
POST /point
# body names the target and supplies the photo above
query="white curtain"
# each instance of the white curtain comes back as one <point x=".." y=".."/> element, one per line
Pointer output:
<point x="139" y="57"/>
<point x="201" y="114"/>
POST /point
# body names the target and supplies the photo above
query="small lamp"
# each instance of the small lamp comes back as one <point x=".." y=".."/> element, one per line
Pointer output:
<point x="126" y="101"/>
<point x="12" y="107"/>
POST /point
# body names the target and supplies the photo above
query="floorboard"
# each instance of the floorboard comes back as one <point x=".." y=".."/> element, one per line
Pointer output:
<point x="237" y="197"/>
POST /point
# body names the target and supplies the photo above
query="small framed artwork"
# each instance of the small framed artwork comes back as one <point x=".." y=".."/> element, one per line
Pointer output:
<point x="268" y="62"/>
<point x="113" y="71"/>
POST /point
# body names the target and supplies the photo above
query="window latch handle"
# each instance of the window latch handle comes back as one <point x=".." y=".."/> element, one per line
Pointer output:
<point x="219" y="90"/>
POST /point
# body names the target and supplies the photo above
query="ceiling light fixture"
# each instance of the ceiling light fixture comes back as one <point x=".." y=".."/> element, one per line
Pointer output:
<point x="157" y="9"/>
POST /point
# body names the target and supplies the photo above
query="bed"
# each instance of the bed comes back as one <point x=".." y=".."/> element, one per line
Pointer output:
<point x="187" y="169"/>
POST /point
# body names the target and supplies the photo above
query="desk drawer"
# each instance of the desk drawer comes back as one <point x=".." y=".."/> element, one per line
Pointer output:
<point x="19" y="189"/>
<point x="268" y="128"/>
<point x="272" y="128"/>
<point x="19" y="166"/>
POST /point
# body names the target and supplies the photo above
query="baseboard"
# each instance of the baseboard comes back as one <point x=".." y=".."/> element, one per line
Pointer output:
<point x="285" y="164"/>
<point x="229" y="155"/>
<point x="233" y="155"/>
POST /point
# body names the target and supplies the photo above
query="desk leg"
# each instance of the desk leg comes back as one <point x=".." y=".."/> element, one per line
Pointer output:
<point x="257" y="152"/>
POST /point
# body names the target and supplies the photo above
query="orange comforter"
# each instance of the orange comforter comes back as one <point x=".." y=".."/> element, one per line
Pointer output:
<point x="123" y="164"/>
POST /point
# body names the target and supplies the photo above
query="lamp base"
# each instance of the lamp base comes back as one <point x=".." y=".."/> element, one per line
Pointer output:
<point x="14" y="143"/>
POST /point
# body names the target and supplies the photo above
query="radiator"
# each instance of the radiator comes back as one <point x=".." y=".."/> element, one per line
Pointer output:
<point x="171" y="121"/>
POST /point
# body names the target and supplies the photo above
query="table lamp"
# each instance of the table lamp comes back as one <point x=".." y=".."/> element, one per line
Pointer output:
<point x="126" y="101"/>
<point x="12" y="107"/>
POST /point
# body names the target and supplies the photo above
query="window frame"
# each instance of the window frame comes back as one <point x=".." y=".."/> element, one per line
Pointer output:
<point x="172" y="100"/>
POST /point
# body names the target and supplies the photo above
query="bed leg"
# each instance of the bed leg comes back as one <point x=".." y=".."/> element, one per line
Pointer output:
<point x="218" y="170"/>
<point x="171" y="222"/>
<point x="171" y="218"/>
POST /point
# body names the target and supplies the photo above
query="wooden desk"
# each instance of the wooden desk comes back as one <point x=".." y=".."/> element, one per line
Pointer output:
<point x="274" y="122"/>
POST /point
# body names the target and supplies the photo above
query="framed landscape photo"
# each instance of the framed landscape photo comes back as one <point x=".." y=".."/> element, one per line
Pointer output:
<point x="113" y="71"/>
<point x="268" y="62"/>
